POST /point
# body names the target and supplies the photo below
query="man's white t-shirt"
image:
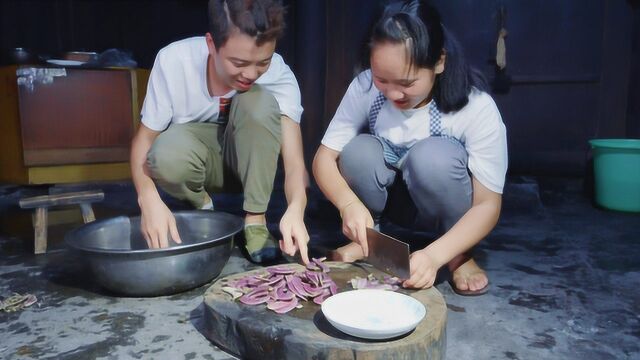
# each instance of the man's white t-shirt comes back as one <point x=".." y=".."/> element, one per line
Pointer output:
<point x="177" y="92"/>
<point x="478" y="126"/>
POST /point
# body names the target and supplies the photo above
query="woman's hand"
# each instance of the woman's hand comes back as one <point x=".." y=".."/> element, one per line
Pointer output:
<point x="294" y="234"/>
<point x="356" y="218"/>
<point x="156" y="222"/>
<point x="423" y="270"/>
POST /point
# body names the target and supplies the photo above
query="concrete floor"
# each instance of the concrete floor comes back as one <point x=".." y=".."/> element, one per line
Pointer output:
<point x="564" y="285"/>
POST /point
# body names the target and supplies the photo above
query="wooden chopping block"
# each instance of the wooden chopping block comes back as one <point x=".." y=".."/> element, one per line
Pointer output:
<point x="254" y="332"/>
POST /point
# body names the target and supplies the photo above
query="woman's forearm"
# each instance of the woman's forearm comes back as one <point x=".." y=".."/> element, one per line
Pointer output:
<point x="329" y="179"/>
<point x="476" y="223"/>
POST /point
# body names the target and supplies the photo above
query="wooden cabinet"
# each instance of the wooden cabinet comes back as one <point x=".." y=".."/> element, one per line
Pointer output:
<point x="67" y="125"/>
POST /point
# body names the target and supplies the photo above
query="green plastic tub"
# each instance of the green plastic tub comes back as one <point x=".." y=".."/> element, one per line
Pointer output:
<point x="616" y="167"/>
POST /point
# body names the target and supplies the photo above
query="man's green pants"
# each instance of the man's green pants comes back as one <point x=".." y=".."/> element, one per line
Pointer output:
<point x="190" y="160"/>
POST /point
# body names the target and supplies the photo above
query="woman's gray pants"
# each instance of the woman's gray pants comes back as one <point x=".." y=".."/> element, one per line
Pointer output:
<point x="431" y="190"/>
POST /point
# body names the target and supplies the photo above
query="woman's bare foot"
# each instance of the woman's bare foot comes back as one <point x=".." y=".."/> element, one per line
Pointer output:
<point x="468" y="278"/>
<point x="348" y="253"/>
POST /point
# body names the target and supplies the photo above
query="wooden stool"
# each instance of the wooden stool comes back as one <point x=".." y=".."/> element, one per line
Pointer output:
<point x="43" y="203"/>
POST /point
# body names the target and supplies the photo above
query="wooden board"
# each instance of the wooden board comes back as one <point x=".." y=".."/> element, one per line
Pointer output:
<point x="254" y="332"/>
<point x="65" y="174"/>
<point x="69" y="198"/>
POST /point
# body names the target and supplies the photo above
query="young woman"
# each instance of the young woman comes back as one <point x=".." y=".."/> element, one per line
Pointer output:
<point x="417" y="139"/>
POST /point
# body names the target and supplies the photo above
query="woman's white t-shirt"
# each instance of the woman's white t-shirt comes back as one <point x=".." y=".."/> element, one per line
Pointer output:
<point x="177" y="92"/>
<point x="478" y="126"/>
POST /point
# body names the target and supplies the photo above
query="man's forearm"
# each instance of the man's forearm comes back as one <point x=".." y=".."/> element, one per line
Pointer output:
<point x="294" y="188"/>
<point x="294" y="168"/>
<point x="140" y="147"/>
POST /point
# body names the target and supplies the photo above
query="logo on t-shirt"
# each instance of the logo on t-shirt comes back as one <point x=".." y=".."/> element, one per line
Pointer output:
<point x="223" y="114"/>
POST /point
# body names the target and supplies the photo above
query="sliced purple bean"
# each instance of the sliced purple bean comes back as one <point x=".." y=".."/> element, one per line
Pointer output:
<point x="313" y="266"/>
<point x="311" y="290"/>
<point x="313" y="277"/>
<point x="279" y="284"/>
<point x="258" y="291"/>
<point x="280" y="287"/>
<point x="281" y="270"/>
<point x="282" y="307"/>
<point x="323" y="267"/>
<point x="284" y="294"/>
<point x="275" y="279"/>
<point x="297" y="288"/>
<point x="249" y="281"/>
<point x="255" y="298"/>
<point x="322" y="297"/>
<point x="261" y="287"/>
<point x="256" y="279"/>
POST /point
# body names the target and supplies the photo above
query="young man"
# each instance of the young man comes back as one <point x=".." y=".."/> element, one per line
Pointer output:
<point x="219" y="110"/>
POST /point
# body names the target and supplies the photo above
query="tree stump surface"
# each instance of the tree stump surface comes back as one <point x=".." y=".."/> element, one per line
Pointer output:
<point x="255" y="332"/>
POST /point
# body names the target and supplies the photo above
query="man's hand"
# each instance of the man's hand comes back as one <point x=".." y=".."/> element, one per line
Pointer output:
<point x="294" y="234"/>
<point x="423" y="270"/>
<point x="156" y="222"/>
<point x="356" y="218"/>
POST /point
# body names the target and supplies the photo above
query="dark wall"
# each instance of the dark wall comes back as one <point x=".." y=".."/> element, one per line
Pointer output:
<point x="50" y="27"/>
<point x="568" y="63"/>
<point x="573" y="65"/>
<point x="633" y="114"/>
<point x="554" y="61"/>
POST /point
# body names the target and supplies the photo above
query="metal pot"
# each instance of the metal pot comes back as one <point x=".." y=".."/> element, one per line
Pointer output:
<point x="121" y="261"/>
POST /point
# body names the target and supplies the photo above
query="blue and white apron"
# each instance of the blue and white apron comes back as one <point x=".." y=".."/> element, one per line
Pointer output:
<point x="395" y="155"/>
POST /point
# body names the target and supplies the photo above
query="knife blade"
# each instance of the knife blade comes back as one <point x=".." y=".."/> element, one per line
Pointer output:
<point x="388" y="254"/>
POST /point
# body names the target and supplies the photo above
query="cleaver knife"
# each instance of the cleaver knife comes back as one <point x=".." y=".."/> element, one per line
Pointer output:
<point x="388" y="254"/>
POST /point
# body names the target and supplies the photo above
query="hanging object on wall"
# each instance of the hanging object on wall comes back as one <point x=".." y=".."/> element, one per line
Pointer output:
<point x="502" y="80"/>
<point x="501" y="50"/>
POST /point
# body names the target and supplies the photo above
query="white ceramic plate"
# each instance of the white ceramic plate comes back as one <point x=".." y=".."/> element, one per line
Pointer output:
<point x="65" y="62"/>
<point x="373" y="314"/>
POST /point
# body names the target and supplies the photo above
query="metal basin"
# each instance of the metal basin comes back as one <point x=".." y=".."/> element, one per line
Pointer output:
<point x="121" y="261"/>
